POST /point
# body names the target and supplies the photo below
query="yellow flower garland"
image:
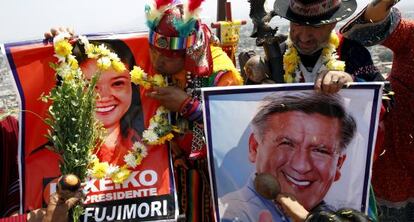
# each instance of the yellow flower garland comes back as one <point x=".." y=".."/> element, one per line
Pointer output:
<point x="159" y="130"/>
<point x="139" y="77"/>
<point x="291" y="58"/>
<point x="100" y="170"/>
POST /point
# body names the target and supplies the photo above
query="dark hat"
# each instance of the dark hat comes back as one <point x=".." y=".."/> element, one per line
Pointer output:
<point x="315" y="12"/>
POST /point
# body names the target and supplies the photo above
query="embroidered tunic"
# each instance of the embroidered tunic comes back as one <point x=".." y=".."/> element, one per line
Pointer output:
<point x="191" y="172"/>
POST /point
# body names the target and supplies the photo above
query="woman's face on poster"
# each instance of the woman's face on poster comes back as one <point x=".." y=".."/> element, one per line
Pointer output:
<point x="114" y="90"/>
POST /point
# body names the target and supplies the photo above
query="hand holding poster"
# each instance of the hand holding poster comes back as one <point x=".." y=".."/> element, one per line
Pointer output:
<point x="128" y="182"/>
<point x="317" y="146"/>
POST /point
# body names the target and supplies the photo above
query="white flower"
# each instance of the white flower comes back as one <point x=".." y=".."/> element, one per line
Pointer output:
<point x="153" y="124"/>
<point x="144" y="75"/>
<point x="111" y="170"/>
<point x="150" y="136"/>
<point x="84" y="40"/>
<point x="113" y="56"/>
<point x="161" y="110"/>
<point x="138" y="146"/>
<point x="89" y="173"/>
<point x="61" y="59"/>
<point x="103" y="50"/>
<point x="130" y="160"/>
<point x="61" y="36"/>
<point x="144" y="152"/>
<point x="104" y="63"/>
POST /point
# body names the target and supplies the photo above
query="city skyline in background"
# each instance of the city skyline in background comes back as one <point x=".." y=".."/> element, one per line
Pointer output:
<point x="22" y="20"/>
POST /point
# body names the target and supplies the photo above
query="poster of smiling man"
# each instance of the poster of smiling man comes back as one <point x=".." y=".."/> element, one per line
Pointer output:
<point x="317" y="146"/>
<point x="128" y="178"/>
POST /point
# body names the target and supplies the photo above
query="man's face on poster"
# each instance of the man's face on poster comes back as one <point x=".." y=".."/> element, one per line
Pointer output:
<point x="302" y="151"/>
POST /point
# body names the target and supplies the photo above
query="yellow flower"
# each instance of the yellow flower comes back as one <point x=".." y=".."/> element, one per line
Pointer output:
<point x="159" y="80"/>
<point x="99" y="169"/>
<point x="121" y="175"/>
<point x="102" y="50"/>
<point x="165" y="138"/>
<point x="139" y="160"/>
<point x="288" y="78"/>
<point x="73" y="62"/>
<point x="334" y="40"/>
<point x="118" y="66"/>
<point x="137" y="75"/>
<point x="290" y="61"/>
<point x="104" y="63"/>
<point x="334" y="64"/>
<point x="63" y="48"/>
<point x="90" y="51"/>
<point x="68" y="77"/>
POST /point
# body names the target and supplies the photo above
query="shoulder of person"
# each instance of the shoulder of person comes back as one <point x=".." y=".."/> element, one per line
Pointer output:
<point x="353" y="49"/>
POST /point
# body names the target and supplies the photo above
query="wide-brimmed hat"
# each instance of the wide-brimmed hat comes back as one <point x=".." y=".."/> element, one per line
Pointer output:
<point x="315" y="12"/>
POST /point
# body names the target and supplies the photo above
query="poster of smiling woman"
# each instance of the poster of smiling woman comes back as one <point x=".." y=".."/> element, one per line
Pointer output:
<point x="129" y="177"/>
<point x="317" y="146"/>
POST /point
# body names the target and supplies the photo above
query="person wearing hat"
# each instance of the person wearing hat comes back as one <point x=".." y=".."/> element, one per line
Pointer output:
<point x="184" y="50"/>
<point x="393" y="171"/>
<point x="314" y="52"/>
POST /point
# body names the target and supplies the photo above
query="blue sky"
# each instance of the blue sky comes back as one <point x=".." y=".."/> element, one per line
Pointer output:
<point x="28" y="19"/>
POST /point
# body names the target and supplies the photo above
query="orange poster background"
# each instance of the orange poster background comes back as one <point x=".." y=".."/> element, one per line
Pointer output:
<point x="29" y="62"/>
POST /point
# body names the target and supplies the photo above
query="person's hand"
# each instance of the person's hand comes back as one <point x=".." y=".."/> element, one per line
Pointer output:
<point x="331" y="81"/>
<point x="378" y="10"/>
<point x="170" y="97"/>
<point x="63" y="200"/>
<point x="292" y="207"/>
<point x="57" y="30"/>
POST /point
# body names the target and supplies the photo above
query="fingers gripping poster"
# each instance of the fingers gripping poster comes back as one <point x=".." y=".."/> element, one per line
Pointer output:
<point x="317" y="147"/>
<point x="148" y="194"/>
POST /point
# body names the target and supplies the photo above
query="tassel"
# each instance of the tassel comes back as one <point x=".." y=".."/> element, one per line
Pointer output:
<point x="154" y="11"/>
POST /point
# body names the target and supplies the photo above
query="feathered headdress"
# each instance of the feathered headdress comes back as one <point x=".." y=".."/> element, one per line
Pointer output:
<point x="174" y="26"/>
<point x="154" y="11"/>
<point x="191" y="14"/>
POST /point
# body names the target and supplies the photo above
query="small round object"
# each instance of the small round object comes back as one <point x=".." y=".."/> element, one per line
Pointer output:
<point x="70" y="182"/>
<point x="267" y="185"/>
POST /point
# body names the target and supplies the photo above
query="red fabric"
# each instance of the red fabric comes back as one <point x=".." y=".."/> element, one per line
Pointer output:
<point x="165" y="25"/>
<point x="379" y="145"/>
<point x="9" y="186"/>
<point x="20" y="218"/>
<point x="194" y="4"/>
<point x="393" y="172"/>
<point x="161" y="3"/>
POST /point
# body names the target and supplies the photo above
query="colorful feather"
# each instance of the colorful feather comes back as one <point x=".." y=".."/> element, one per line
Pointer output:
<point x="190" y="17"/>
<point x="194" y="4"/>
<point x="192" y="10"/>
<point x="154" y="11"/>
<point x="184" y="28"/>
<point x="161" y="3"/>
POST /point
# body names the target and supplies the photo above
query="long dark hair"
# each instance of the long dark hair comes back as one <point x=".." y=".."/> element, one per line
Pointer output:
<point x="133" y="118"/>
